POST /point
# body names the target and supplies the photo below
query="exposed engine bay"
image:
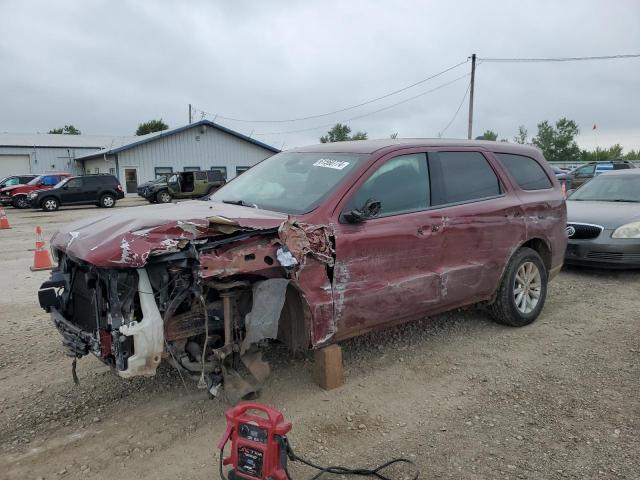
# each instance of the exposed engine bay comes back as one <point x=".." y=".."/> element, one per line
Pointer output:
<point x="204" y="303"/>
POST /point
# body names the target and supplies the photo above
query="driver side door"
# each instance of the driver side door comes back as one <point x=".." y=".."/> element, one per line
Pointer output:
<point x="385" y="270"/>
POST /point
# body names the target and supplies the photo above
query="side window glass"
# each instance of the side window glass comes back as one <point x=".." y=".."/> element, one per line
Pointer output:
<point x="461" y="177"/>
<point x="200" y="175"/>
<point x="401" y="185"/>
<point x="585" y="171"/>
<point x="527" y="172"/>
<point x="49" y="180"/>
<point x="74" y="183"/>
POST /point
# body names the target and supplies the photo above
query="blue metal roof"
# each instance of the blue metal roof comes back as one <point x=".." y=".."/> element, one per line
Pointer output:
<point x="165" y="133"/>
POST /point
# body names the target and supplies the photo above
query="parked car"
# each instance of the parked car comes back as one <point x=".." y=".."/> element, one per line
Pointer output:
<point x="583" y="174"/>
<point x="311" y="246"/>
<point x="102" y="190"/>
<point x="185" y="185"/>
<point x="16" y="180"/>
<point x="604" y="221"/>
<point x="17" y="194"/>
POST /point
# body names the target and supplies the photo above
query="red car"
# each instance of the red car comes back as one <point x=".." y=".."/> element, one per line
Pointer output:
<point x="16" y="195"/>
<point x="311" y="246"/>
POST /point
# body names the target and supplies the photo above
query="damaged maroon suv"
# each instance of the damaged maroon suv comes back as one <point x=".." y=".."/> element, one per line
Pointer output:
<point x="309" y="247"/>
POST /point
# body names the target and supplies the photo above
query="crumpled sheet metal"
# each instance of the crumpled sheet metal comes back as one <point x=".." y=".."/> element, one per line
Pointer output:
<point x="303" y="239"/>
<point x="262" y="321"/>
<point x="247" y="256"/>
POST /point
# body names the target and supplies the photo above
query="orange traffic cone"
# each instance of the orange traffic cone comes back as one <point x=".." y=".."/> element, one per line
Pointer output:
<point x="39" y="239"/>
<point x="41" y="258"/>
<point x="4" y="221"/>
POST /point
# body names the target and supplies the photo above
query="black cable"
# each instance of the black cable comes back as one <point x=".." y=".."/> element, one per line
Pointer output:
<point x="559" y="59"/>
<point x="340" y="470"/>
<point x="310" y="117"/>
<point x="455" y="115"/>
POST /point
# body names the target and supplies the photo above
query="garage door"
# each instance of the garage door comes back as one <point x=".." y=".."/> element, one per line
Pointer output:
<point x="14" y="165"/>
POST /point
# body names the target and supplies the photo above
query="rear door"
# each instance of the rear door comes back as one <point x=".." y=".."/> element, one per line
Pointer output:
<point x="386" y="267"/>
<point x="92" y="186"/>
<point x="481" y="223"/>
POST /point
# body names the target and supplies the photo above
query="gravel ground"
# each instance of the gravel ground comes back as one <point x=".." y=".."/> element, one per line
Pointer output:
<point x="461" y="396"/>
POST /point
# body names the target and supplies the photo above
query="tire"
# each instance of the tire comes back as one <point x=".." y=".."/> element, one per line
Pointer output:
<point x="107" y="201"/>
<point x="21" y="201"/>
<point x="163" y="196"/>
<point x="50" y="204"/>
<point x="513" y="306"/>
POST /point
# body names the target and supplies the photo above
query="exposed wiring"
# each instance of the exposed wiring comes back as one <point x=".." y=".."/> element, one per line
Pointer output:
<point x="320" y="115"/>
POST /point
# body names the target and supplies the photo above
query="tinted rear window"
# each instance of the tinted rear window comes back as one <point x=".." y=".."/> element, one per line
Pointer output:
<point x="527" y="172"/>
<point x="100" y="180"/>
<point x="461" y="177"/>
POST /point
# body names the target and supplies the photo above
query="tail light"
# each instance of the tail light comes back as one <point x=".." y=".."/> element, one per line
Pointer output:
<point x="119" y="188"/>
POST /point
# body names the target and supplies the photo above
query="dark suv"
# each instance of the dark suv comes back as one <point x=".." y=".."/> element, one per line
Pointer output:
<point x="101" y="190"/>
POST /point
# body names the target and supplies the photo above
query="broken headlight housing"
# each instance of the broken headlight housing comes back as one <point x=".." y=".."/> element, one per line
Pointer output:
<point x="629" y="230"/>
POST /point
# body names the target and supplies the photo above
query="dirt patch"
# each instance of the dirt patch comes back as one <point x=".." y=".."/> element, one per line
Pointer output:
<point x="462" y="396"/>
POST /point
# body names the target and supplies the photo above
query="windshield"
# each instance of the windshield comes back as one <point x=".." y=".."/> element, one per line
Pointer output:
<point x="610" y="188"/>
<point x="289" y="182"/>
<point x="36" y="180"/>
<point x="62" y="182"/>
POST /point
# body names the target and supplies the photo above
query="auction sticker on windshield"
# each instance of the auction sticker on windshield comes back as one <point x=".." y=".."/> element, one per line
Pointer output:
<point x="329" y="163"/>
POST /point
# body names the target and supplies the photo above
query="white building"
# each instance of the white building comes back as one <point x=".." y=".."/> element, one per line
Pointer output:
<point x="202" y="145"/>
<point x="44" y="152"/>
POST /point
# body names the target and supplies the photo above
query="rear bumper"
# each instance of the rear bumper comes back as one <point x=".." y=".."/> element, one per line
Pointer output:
<point x="604" y="251"/>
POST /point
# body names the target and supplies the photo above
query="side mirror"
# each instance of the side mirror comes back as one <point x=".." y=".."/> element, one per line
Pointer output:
<point x="370" y="209"/>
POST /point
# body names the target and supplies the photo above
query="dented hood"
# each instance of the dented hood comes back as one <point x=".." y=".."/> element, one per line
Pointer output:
<point x="127" y="237"/>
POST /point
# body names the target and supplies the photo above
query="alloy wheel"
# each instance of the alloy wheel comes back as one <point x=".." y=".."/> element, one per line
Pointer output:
<point x="527" y="287"/>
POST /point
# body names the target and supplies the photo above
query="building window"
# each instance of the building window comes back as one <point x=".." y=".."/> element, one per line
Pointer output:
<point x="96" y="170"/>
<point x="222" y="170"/>
<point x="112" y="171"/>
<point x="191" y="169"/>
<point x="241" y="170"/>
<point x="163" y="171"/>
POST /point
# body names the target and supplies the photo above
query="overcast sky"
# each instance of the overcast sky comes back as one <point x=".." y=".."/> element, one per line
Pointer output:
<point x="105" y="66"/>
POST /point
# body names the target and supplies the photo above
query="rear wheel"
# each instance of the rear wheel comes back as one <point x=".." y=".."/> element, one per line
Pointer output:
<point x="20" y="201"/>
<point x="522" y="291"/>
<point x="163" y="196"/>
<point x="50" y="204"/>
<point x="107" y="200"/>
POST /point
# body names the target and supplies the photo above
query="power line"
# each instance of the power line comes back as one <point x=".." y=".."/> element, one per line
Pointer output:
<point x="466" y="92"/>
<point x="558" y="59"/>
<point x="310" y="117"/>
<point x="317" y="127"/>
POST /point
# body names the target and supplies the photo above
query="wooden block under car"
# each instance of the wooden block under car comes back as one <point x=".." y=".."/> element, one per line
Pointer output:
<point x="327" y="370"/>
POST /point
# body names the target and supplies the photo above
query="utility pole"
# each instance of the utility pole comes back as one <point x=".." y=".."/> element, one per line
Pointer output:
<point x="189" y="113"/>
<point x="473" y="78"/>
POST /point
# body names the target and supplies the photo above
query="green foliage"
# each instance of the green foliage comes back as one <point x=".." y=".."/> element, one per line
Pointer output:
<point x="614" y="152"/>
<point x="340" y="133"/>
<point x="558" y="142"/>
<point x="522" y="135"/>
<point x="151" y="126"/>
<point x="490" y="135"/>
<point x="66" y="130"/>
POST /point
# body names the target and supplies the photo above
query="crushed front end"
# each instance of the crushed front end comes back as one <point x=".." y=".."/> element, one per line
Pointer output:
<point x="201" y="295"/>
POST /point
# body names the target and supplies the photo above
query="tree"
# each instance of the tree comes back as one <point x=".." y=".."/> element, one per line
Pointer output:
<point x="522" y="135"/>
<point x="340" y="133"/>
<point x="66" y="130"/>
<point x="558" y="142"/>
<point x="151" y="126"/>
<point x="489" y="135"/>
